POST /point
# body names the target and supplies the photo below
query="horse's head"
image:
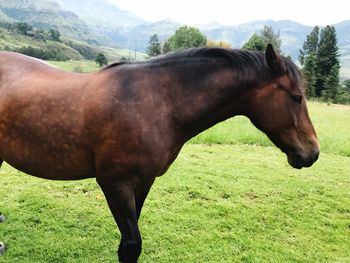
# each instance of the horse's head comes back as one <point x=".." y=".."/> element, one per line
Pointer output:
<point x="279" y="109"/>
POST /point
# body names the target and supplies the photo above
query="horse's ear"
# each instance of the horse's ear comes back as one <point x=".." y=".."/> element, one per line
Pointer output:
<point x="272" y="59"/>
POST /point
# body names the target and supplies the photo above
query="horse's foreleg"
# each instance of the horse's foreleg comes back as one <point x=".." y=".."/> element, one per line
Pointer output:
<point x="141" y="194"/>
<point x="121" y="201"/>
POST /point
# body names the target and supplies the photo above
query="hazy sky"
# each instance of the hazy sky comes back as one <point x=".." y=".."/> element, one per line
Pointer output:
<point x="232" y="12"/>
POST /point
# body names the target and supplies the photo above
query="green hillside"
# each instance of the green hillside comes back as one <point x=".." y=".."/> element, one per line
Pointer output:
<point x="11" y="41"/>
<point x="66" y="49"/>
<point x="45" y="14"/>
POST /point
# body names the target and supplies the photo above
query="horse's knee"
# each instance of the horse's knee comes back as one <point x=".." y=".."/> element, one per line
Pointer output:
<point x="129" y="251"/>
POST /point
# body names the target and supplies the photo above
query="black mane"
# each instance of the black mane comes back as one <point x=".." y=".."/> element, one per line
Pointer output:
<point x="240" y="60"/>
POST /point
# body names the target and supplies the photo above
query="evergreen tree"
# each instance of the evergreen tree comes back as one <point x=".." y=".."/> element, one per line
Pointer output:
<point x="310" y="74"/>
<point x="331" y="85"/>
<point x="310" y="45"/>
<point x="327" y="59"/>
<point x="307" y="58"/>
<point x="154" y="48"/>
<point x="320" y="58"/>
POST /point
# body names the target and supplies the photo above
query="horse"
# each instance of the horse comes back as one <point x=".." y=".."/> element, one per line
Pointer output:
<point x="125" y="124"/>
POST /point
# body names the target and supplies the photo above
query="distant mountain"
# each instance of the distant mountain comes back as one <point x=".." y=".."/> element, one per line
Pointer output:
<point x="106" y="20"/>
<point x="101" y="13"/>
<point x="45" y="14"/>
<point x="139" y="36"/>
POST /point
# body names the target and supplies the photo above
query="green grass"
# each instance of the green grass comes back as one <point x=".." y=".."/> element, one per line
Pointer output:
<point x="216" y="204"/>
<point x="76" y="65"/>
<point x="229" y="197"/>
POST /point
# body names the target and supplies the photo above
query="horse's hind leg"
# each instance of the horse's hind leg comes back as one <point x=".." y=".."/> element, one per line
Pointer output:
<point x="121" y="201"/>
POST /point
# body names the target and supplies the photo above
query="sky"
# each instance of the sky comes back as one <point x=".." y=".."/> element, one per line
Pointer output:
<point x="232" y="12"/>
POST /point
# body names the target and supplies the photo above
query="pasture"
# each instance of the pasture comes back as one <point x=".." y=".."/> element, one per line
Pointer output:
<point x="76" y="65"/>
<point x="229" y="197"/>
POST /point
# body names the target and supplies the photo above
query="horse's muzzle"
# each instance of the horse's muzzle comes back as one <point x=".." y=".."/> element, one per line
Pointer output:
<point x="298" y="160"/>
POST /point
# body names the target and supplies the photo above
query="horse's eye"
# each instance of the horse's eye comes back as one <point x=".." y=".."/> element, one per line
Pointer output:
<point x="297" y="98"/>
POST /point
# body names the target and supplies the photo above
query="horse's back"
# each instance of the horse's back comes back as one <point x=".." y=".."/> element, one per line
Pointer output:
<point x="20" y="60"/>
<point x="15" y="67"/>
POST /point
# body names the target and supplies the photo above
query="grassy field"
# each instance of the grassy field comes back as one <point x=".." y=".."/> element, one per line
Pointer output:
<point x="229" y="197"/>
<point x="76" y="65"/>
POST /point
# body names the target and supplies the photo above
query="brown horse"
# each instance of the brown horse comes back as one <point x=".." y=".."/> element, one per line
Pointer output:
<point x="126" y="124"/>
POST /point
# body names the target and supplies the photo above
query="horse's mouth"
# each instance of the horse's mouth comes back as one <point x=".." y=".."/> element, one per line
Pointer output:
<point x="298" y="161"/>
<point x="295" y="161"/>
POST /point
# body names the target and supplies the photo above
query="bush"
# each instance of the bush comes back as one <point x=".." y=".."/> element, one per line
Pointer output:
<point x="343" y="96"/>
<point x="45" y="54"/>
<point x="23" y="28"/>
<point x="86" y="51"/>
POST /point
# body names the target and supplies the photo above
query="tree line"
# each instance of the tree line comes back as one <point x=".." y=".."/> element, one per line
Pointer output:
<point x="319" y="56"/>
<point x="28" y="30"/>
<point x="191" y="37"/>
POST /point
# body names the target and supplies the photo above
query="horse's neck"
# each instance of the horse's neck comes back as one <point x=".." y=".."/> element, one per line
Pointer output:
<point x="209" y="96"/>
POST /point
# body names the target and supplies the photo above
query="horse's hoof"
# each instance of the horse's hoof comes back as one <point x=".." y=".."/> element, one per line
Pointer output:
<point x="2" y="248"/>
<point x="2" y="218"/>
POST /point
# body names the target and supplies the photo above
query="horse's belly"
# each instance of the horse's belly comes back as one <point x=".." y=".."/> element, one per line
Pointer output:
<point x="47" y="168"/>
<point x="57" y="163"/>
<point x="45" y="136"/>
